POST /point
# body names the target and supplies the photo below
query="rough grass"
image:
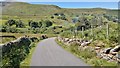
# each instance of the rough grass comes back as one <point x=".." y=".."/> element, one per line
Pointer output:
<point x="27" y="60"/>
<point x="17" y="35"/>
<point x="5" y="40"/>
<point x="24" y="9"/>
<point x="21" y="34"/>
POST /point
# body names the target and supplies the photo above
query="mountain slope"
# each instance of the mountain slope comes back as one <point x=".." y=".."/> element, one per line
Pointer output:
<point x="20" y="8"/>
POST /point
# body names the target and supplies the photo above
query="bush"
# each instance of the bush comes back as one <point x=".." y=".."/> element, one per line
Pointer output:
<point x="34" y="25"/>
<point x="47" y="23"/>
<point x="15" y="52"/>
<point x="20" y="24"/>
<point x="62" y="18"/>
<point x="10" y="22"/>
<point x="11" y="29"/>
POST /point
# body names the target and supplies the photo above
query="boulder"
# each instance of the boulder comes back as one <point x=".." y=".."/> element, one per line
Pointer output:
<point x="114" y="58"/>
<point x="115" y="49"/>
<point x="113" y="53"/>
<point x="97" y="48"/>
<point x="43" y="36"/>
<point x="110" y="55"/>
<point x="85" y="43"/>
<point x="107" y="50"/>
<point x="118" y="55"/>
<point x="1" y="45"/>
<point x="66" y="39"/>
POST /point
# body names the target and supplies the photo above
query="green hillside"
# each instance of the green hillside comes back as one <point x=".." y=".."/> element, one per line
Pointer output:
<point x="26" y="9"/>
<point x="20" y="8"/>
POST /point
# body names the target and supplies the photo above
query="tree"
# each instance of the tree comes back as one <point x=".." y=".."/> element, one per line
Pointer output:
<point x="40" y="24"/>
<point x="20" y="24"/>
<point x="10" y="22"/>
<point x="34" y="24"/>
<point x="52" y="17"/>
<point x="47" y="23"/>
<point x="29" y="23"/>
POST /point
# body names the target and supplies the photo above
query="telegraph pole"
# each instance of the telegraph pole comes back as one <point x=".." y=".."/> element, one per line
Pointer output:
<point x="92" y="29"/>
<point x="82" y="32"/>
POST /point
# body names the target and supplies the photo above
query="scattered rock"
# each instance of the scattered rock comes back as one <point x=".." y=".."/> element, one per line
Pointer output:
<point x="115" y="49"/>
<point x="114" y="58"/>
<point x="66" y="39"/>
<point x="107" y="50"/>
<point x="85" y="43"/>
<point x="33" y="39"/>
<point x="43" y="36"/>
<point x="97" y="48"/>
<point x="118" y="55"/>
<point x="106" y="57"/>
<point x="113" y="53"/>
<point x="109" y="54"/>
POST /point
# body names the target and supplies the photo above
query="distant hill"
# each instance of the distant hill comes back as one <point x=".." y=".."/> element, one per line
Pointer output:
<point x="21" y="8"/>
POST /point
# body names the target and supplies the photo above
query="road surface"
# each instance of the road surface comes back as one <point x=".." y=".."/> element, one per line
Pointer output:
<point x="49" y="53"/>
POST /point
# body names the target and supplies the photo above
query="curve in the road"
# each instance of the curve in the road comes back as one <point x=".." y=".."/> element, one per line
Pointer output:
<point x="49" y="53"/>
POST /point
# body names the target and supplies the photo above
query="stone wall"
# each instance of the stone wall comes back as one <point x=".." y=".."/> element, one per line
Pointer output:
<point x="110" y="54"/>
<point x="15" y="51"/>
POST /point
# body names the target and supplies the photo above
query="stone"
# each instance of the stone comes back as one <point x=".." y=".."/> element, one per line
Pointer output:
<point x="113" y="53"/>
<point x="33" y="39"/>
<point x="107" y="50"/>
<point x="110" y="55"/>
<point x="114" y="58"/>
<point x="43" y="36"/>
<point x="111" y="60"/>
<point x="1" y="44"/>
<point x="118" y="56"/>
<point x="66" y="39"/>
<point x="115" y="49"/>
<point x="84" y="43"/>
<point x="70" y="40"/>
<point x="97" y="48"/>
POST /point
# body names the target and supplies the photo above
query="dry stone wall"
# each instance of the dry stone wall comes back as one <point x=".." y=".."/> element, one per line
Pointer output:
<point x="110" y="54"/>
<point x="15" y="51"/>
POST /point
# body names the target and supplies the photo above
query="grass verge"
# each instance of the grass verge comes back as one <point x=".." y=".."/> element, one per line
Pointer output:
<point x="27" y="61"/>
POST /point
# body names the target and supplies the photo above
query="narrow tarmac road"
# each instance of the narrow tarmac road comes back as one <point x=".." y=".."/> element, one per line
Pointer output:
<point x="49" y="53"/>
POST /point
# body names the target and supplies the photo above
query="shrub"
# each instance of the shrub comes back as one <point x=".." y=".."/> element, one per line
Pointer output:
<point x="20" y="24"/>
<point x="15" y="52"/>
<point x="34" y="25"/>
<point x="46" y="23"/>
<point x="10" y="22"/>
